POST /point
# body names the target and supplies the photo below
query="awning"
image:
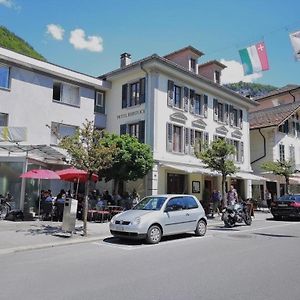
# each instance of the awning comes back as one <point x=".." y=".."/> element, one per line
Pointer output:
<point x="39" y="152"/>
<point x="249" y="176"/>
<point x="190" y="169"/>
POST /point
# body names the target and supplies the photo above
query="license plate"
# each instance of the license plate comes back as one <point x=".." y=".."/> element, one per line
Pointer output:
<point x="282" y="205"/>
<point x="119" y="228"/>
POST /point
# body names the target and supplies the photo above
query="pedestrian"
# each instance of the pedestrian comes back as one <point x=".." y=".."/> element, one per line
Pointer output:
<point x="268" y="198"/>
<point x="216" y="199"/>
<point x="232" y="196"/>
<point x="206" y="200"/>
<point x="135" y="197"/>
<point x="108" y="198"/>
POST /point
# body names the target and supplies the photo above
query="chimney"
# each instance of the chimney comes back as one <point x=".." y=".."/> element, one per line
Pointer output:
<point x="125" y="59"/>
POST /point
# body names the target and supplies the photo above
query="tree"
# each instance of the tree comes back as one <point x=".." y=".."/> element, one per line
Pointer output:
<point x="131" y="161"/>
<point x="283" y="168"/>
<point x="88" y="153"/>
<point x="216" y="157"/>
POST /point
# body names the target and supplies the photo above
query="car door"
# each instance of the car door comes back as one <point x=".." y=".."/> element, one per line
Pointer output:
<point x="193" y="212"/>
<point x="175" y="216"/>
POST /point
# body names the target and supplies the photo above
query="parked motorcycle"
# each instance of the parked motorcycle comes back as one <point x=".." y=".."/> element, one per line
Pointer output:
<point x="237" y="213"/>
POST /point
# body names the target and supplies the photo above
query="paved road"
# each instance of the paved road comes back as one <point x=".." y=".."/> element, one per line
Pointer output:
<point x="258" y="262"/>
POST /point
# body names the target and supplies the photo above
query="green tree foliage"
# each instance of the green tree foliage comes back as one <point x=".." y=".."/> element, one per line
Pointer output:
<point x="283" y="168"/>
<point x="131" y="161"/>
<point x="87" y="152"/>
<point x="12" y="42"/>
<point x="250" y="89"/>
<point x="216" y="157"/>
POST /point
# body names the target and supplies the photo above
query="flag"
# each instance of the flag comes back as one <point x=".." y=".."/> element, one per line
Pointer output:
<point x="295" y="40"/>
<point x="254" y="58"/>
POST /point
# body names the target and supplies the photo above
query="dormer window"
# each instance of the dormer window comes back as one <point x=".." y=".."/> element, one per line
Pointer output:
<point x="217" y="76"/>
<point x="193" y="65"/>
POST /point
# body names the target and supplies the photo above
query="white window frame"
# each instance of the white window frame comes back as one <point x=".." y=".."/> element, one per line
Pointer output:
<point x="101" y="104"/>
<point x="63" y="92"/>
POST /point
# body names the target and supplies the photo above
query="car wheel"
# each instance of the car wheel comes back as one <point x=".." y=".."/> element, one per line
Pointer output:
<point x="153" y="234"/>
<point x="201" y="228"/>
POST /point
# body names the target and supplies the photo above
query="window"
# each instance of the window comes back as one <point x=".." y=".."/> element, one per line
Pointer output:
<point x="281" y="152"/>
<point x="99" y="102"/>
<point x="134" y="93"/>
<point x="217" y="77"/>
<point x="193" y="65"/>
<point x="66" y="93"/>
<point x="177" y="97"/>
<point x="190" y="202"/>
<point x="292" y="155"/>
<point x="135" y="129"/>
<point x="197" y="105"/>
<point x="4" y="77"/>
<point x="177" y="139"/>
<point x="198" y="141"/>
<point x="176" y="204"/>
<point x="220" y="112"/>
<point x="3" y="119"/>
<point x="235" y="117"/>
<point x="59" y="131"/>
<point x="239" y="150"/>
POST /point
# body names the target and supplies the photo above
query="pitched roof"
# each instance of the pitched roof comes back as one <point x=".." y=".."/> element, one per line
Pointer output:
<point x="191" y="48"/>
<point x="211" y="62"/>
<point x="273" y="116"/>
<point x="177" y="67"/>
<point x="285" y="89"/>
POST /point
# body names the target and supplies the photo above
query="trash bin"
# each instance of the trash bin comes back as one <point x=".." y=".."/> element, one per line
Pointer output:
<point x="69" y="215"/>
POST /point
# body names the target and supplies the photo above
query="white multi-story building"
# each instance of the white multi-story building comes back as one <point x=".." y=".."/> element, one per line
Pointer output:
<point x="39" y="101"/>
<point x="275" y="136"/>
<point x="169" y="103"/>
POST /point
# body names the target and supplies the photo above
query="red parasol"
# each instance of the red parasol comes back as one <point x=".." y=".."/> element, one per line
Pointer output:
<point x="73" y="174"/>
<point x="40" y="174"/>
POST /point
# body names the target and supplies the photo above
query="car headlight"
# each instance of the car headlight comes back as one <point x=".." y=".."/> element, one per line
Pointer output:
<point x="112" y="220"/>
<point x="136" y="221"/>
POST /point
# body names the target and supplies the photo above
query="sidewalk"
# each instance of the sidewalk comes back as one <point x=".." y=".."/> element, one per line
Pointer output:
<point x="23" y="236"/>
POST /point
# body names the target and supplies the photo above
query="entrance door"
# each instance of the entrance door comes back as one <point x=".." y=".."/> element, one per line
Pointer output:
<point x="175" y="183"/>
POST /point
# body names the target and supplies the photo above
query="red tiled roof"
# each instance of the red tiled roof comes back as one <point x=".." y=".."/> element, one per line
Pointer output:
<point x="285" y="89"/>
<point x="272" y="116"/>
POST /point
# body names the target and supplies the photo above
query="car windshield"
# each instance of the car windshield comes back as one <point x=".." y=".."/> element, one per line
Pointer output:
<point x="150" y="203"/>
<point x="290" y="198"/>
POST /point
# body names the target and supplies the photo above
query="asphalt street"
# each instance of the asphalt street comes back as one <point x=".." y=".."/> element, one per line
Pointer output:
<point x="246" y="262"/>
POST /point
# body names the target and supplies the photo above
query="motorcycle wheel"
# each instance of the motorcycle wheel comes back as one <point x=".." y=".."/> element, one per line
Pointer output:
<point x="228" y="222"/>
<point x="248" y="219"/>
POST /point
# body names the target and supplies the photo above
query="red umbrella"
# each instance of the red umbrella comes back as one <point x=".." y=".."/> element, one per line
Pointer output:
<point x="76" y="175"/>
<point x="73" y="174"/>
<point x="40" y="174"/>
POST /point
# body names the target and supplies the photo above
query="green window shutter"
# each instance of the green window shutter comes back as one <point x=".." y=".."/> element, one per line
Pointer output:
<point x="124" y="95"/>
<point x="192" y="101"/>
<point x="142" y="131"/>
<point x="215" y="108"/>
<point x="187" y="140"/>
<point x="205" y="105"/>
<point x="123" y="129"/>
<point x="170" y="92"/>
<point x="226" y="116"/>
<point x="186" y="98"/>
<point x="169" y="137"/>
<point x="241" y="119"/>
<point x="142" y="90"/>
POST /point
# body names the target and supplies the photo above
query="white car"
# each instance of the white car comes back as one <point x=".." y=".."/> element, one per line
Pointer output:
<point x="160" y="215"/>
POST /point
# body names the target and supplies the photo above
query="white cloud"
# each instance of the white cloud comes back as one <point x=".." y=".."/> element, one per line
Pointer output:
<point x="10" y="4"/>
<point x="90" y="43"/>
<point x="56" y="31"/>
<point x="235" y="73"/>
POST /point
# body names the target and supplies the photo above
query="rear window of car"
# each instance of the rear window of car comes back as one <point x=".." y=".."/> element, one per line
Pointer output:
<point x="190" y="202"/>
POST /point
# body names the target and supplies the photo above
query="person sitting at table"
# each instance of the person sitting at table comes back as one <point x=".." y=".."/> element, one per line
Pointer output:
<point x="107" y="197"/>
<point x="100" y="204"/>
<point x="47" y="206"/>
<point x="59" y="203"/>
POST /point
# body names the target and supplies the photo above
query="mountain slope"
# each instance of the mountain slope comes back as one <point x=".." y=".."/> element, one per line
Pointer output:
<point x="12" y="42"/>
<point x="250" y="89"/>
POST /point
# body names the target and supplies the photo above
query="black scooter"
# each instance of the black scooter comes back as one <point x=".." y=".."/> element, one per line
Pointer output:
<point x="236" y="213"/>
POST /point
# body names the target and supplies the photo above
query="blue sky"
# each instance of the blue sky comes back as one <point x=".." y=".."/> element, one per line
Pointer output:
<point x="89" y="36"/>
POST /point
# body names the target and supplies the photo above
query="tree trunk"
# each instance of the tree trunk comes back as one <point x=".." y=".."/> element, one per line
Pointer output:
<point x="224" y="199"/>
<point x="86" y="206"/>
<point x="287" y="182"/>
<point x="116" y="186"/>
